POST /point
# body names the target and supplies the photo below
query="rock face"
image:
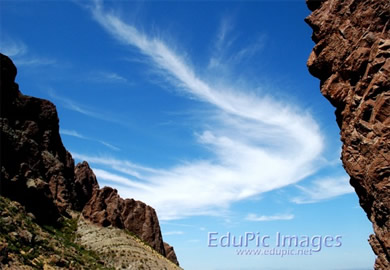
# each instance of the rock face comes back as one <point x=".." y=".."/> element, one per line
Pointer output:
<point x="36" y="169"/>
<point x="85" y="184"/>
<point x="107" y="208"/>
<point x="352" y="59"/>
<point x="170" y="253"/>
<point x="38" y="172"/>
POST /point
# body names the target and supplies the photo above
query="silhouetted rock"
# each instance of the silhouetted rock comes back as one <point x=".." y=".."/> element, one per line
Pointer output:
<point x="107" y="208"/>
<point x="36" y="169"/>
<point x="170" y="253"/>
<point x="352" y="59"/>
<point x="85" y="184"/>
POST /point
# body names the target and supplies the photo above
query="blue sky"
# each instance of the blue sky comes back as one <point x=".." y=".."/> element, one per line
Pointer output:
<point x="203" y="109"/>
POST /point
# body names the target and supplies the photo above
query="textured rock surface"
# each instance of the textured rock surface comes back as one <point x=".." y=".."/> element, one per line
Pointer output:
<point x="170" y="253"/>
<point x="352" y="59"/>
<point x="24" y="245"/>
<point x="85" y="184"/>
<point x="121" y="250"/>
<point x="36" y="169"/>
<point x="106" y="208"/>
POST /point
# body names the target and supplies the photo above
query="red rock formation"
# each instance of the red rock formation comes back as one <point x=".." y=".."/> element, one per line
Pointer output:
<point x="107" y="208"/>
<point x="85" y="184"/>
<point x="170" y="253"/>
<point x="352" y="59"/>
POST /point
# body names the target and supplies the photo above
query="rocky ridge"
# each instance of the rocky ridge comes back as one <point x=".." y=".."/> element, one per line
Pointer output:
<point x="352" y="60"/>
<point x="107" y="208"/>
<point x="38" y="172"/>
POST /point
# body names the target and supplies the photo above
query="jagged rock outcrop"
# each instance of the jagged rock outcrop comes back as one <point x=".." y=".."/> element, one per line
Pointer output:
<point x="36" y="169"/>
<point x="170" y="253"/>
<point x="352" y="59"/>
<point x="85" y="184"/>
<point x="38" y="172"/>
<point x="107" y="208"/>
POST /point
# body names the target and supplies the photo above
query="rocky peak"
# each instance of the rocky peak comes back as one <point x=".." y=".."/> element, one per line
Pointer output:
<point x="85" y="184"/>
<point x="352" y="60"/>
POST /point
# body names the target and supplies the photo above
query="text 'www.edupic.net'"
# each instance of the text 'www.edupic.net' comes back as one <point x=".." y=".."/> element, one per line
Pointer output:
<point x="254" y="243"/>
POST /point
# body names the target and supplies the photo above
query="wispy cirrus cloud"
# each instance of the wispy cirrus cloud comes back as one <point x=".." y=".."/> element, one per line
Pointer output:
<point x="323" y="189"/>
<point x="107" y="76"/>
<point x="173" y="233"/>
<point x="18" y="51"/>
<point x="254" y="217"/>
<point x="74" y="133"/>
<point x="259" y="144"/>
<point x="35" y="61"/>
<point x="13" y="48"/>
<point x="107" y="176"/>
<point x="224" y="53"/>
<point x="75" y="106"/>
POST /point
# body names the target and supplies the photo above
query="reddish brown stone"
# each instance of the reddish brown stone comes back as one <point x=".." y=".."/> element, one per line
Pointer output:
<point x="170" y="253"/>
<point x="352" y="59"/>
<point x="85" y="184"/>
<point x="107" y="208"/>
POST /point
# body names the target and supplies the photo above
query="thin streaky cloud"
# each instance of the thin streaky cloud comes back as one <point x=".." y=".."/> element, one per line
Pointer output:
<point x="223" y="50"/>
<point x="282" y="143"/>
<point x="13" y="48"/>
<point x="323" y="189"/>
<point x="74" y="106"/>
<point x="254" y="217"/>
<point x="109" y="145"/>
<point x="76" y="134"/>
<point x="20" y="54"/>
<point x="110" y="177"/>
<point x="35" y="61"/>
<point x="82" y="109"/>
<point x="106" y="76"/>
<point x="115" y="77"/>
<point x="72" y="133"/>
<point x="122" y="166"/>
<point x="173" y="233"/>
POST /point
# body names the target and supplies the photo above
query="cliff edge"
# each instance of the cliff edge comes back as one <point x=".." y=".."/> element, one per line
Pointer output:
<point x="352" y="60"/>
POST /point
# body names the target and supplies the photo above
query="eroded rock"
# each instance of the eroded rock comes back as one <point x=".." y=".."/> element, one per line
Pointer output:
<point x="352" y="59"/>
<point x="107" y="208"/>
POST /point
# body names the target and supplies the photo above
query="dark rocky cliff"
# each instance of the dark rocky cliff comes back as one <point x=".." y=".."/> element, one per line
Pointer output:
<point x="38" y="172"/>
<point x="352" y="59"/>
<point x="36" y="169"/>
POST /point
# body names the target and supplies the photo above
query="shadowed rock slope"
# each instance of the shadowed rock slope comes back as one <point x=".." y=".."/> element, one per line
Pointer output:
<point x="352" y="59"/>
<point x="38" y="172"/>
